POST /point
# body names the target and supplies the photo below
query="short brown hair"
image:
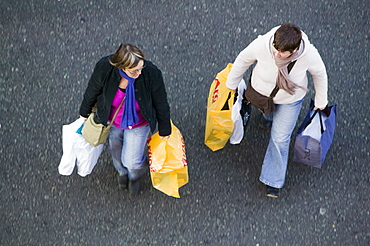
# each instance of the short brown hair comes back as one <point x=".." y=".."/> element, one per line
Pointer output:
<point x="127" y="56"/>
<point x="287" y="38"/>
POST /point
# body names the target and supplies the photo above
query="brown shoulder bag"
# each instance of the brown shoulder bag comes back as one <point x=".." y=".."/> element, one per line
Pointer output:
<point x="263" y="103"/>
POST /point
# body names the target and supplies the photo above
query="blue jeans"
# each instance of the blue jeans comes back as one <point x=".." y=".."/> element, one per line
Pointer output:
<point x="276" y="158"/>
<point x="127" y="148"/>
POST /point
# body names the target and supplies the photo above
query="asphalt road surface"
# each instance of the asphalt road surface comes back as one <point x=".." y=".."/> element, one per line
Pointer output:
<point x="48" y="50"/>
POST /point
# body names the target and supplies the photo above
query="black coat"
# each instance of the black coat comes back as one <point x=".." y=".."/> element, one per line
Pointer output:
<point x="149" y="91"/>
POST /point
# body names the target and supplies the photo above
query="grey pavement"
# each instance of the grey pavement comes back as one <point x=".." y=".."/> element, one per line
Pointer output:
<point x="48" y="50"/>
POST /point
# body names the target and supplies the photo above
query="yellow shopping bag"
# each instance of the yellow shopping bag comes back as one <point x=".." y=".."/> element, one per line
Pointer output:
<point x="219" y="124"/>
<point x="167" y="161"/>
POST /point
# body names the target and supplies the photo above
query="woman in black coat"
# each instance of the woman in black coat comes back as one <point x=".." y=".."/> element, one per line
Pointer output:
<point x="126" y="76"/>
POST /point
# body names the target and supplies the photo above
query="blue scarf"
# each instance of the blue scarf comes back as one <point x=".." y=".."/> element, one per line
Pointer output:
<point x="129" y="117"/>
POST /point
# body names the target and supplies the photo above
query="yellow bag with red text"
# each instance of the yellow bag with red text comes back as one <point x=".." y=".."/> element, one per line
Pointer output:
<point x="167" y="162"/>
<point x="219" y="123"/>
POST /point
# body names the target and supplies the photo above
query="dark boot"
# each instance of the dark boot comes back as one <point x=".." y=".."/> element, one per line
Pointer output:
<point x="123" y="181"/>
<point x="272" y="192"/>
<point x="134" y="187"/>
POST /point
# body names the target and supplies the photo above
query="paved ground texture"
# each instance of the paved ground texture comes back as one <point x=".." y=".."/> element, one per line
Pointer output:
<point x="48" y="50"/>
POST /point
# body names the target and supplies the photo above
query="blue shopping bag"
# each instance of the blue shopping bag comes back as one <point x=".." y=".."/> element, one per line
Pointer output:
<point x="315" y="136"/>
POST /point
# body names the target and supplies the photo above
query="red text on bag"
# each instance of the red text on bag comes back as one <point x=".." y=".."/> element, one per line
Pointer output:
<point x="215" y="91"/>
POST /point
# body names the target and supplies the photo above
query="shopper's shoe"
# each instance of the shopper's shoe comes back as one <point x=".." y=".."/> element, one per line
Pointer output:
<point x="264" y="124"/>
<point x="272" y="192"/>
<point x="134" y="187"/>
<point x="123" y="181"/>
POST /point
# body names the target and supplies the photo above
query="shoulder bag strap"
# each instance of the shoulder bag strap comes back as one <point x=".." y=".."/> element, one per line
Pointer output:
<point x="119" y="107"/>
<point x="276" y="89"/>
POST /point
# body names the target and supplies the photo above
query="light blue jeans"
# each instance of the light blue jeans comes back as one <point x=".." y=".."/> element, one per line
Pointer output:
<point x="127" y="148"/>
<point x="276" y="158"/>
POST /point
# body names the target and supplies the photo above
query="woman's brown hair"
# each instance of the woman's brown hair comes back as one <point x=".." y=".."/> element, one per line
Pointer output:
<point x="127" y="56"/>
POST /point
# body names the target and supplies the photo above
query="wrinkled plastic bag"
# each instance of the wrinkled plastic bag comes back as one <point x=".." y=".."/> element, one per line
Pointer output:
<point x="238" y="132"/>
<point x="313" y="130"/>
<point x="77" y="152"/>
<point x="167" y="161"/>
<point x="219" y="123"/>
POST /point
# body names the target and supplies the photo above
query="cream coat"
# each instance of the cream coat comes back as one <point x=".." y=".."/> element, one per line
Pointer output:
<point x="265" y="72"/>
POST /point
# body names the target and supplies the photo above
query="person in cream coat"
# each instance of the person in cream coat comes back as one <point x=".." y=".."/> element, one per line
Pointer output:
<point x="272" y="53"/>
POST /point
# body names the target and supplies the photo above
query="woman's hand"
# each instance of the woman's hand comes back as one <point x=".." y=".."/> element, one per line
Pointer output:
<point x="165" y="137"/>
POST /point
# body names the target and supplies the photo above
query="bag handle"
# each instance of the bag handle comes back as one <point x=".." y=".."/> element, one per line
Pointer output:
<point x="115" y="114"/>
<point x="321" y="125"/>
<point x="313" y="116"/>
<point x="276" y="89"/>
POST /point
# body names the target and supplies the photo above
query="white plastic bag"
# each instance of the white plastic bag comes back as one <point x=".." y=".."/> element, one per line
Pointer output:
<point x="68" y="161"/>
<point x="238" y="132"/>
<point x="87" y="155"/>
<point x="314" y="130"/>
<point x="77" y="151"/>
